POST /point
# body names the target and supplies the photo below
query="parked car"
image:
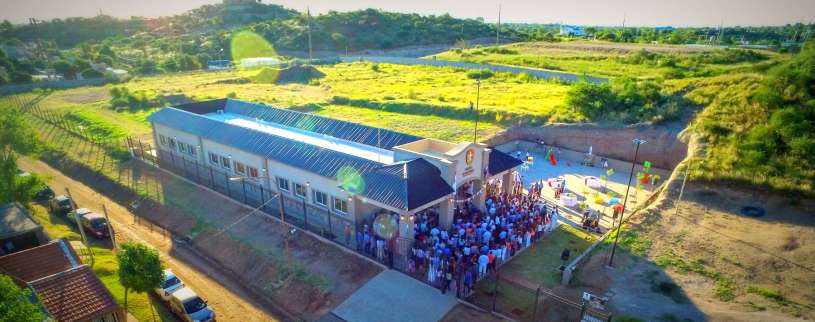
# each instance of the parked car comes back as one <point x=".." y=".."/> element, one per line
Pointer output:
<point x="94" y="224"/>
<point x="44" y="194"/>
<point x="170" y="284"/>
<point x="60" y="205"/>
<point x="190" y="307"/>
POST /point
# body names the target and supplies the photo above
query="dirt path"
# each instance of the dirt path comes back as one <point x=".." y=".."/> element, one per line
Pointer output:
<point x="229" y="299"/>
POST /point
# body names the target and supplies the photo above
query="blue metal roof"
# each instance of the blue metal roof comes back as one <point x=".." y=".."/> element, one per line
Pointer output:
<point x="384" y="184"/>
<point x="353" y="132"/>
<point x="406" y="185"/>
<point x="500" y="162"/>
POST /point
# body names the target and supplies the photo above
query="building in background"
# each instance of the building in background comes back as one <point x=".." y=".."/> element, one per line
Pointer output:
<point x="18" y="231"/>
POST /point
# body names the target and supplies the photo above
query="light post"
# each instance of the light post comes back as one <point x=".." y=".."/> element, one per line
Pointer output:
<point x="477" y="99"/>
<point x="637" y="143"/>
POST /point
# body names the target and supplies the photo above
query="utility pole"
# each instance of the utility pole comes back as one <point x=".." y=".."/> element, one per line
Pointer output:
<point x="477" y="98"/>
<point x="79" y="225"/>
<point x="637" y="143"/>
<point x="110" y="227"/>
<point x="498" y="28"/>
<point x="308" y="19"/>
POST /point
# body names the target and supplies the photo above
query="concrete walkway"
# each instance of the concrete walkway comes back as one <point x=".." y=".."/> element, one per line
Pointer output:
<point x="395" y="297"/>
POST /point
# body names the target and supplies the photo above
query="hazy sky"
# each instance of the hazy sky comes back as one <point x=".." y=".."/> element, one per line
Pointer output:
<point x="586" y="12"/>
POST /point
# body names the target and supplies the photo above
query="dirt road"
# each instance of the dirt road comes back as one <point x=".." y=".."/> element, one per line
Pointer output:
<point x="229" y="299"/>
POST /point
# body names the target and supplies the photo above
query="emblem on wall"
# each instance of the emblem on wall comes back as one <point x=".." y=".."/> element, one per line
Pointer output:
<point x="469" y="157"/>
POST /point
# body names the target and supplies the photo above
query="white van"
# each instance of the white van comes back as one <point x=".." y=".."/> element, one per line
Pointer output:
<point x="190" y="307"/>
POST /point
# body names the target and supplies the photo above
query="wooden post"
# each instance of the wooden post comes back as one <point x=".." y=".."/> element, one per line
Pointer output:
<point x="110" y="227"/>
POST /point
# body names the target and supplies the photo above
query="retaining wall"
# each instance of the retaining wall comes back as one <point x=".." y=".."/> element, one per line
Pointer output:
<point x="663" y="148"/>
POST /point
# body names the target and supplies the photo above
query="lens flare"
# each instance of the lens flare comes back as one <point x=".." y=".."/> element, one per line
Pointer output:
<point x="350" y="180"/>
<point x="385" y="226"/>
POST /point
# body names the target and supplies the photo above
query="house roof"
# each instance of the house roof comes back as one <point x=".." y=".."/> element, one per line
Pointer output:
<point x="76" y="294"/>
<point x="382" y="183"/>
<point x="500" y="162"/>
<point x="15" y="220"/>
<point x="332" y="127"/>
<point x="406" y="185"/>
<point x="37" y="262"/>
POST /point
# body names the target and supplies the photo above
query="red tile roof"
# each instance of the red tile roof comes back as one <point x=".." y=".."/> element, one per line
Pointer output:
<point x="35" y="263"/>
<point x="74" y="295"/>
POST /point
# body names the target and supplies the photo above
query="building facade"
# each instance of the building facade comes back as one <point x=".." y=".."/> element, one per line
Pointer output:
<point x="330" y="175"/>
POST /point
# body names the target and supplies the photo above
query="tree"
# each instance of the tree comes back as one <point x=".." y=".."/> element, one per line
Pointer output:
<point x="65" y="68"/>
<point x="140" y="268"/>
<point x="14" y="304"/>
<point x="16" y="136"/>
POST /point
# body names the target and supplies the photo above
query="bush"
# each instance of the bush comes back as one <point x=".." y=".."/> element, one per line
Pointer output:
<point x="91" y="73"/>
<point x="480" y="74"/>
<point x="625" y="100"/>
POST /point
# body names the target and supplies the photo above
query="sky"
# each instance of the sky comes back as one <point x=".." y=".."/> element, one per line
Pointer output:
<point x="677" y="13"/>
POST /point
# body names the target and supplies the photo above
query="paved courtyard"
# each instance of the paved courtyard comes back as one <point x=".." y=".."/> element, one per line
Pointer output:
<point x="569" y="166"/>
<point x="395" y="297"/>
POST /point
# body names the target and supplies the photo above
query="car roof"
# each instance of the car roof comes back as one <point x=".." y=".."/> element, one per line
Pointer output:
<point x="185" y="294"/>
<point x="83" y="211"/>
<point x="93" y="215"/>
<point x="168" y="274"/>
<point x="61" y="197"/>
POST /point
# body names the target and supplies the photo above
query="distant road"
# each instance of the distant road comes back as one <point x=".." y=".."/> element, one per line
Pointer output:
<point x="545" y="74"/>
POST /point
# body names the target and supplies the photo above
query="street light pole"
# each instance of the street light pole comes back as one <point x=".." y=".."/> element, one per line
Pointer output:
<point x="637" y="143"/>
<point x="477" y="99"/>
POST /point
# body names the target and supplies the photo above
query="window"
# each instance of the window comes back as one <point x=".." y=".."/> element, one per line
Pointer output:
<point x="341" y="205"/>
<point x="225" y="163"/>
<point x="283" y="184"/>
<point x="253" y="172"/>
<point x="300" y="190"/>
<point x="240" y="167"/>
<point x="320" y="198"/>
<point x="163" y="140"/>
<point x="182" y="147"/>
<point x="171" y="143"/>
<point x="213" y="158"/>
<point x="191" y="150"/>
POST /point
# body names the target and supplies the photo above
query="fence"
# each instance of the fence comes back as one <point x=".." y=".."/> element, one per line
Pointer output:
<point x="518" y="300"/>
<point x="293" y="210"/>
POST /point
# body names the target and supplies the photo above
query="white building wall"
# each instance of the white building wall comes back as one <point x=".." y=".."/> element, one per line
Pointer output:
<point x="249" y="159"/>
<point x="178" y="136"/>
<point x="315" y="182"/>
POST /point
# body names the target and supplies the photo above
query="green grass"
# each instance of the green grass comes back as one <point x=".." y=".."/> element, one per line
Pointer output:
<point x="540" y="263"/>
<point x="422" y="100"/>
<point x="724" y="289"/>
<point x="140" y="305"/>
<point x="581" y="58"/>
<point x="769" y="294"/>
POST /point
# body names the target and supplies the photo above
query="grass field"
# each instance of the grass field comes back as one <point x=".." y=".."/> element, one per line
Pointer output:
<point x="422" y="96"/>
<point x="140" y="305"/>
<point x="599" y="58"/>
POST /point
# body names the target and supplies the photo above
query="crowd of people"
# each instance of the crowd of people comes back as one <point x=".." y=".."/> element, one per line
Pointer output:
<point x="478" y="241"/>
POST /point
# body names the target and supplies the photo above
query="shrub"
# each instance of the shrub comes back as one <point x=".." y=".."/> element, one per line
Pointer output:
<point x="91" y="73"/>
<point x="480" y="74"/>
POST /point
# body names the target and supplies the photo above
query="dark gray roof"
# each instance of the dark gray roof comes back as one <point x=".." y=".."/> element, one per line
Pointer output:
<point x="340" y="129"/>
<point x="384" y="184"/>
<point x="406" y="185"/>
<point x="15" y="220"/>
<point x="500" y="162"/>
